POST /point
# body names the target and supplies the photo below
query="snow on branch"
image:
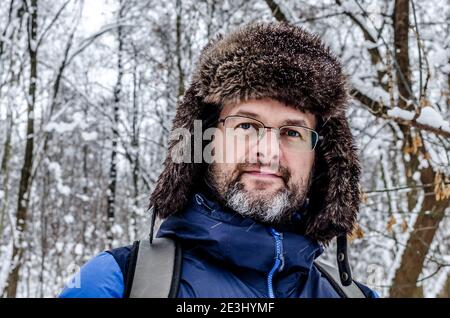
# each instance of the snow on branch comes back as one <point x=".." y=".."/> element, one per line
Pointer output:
<point x="428" y="119"/>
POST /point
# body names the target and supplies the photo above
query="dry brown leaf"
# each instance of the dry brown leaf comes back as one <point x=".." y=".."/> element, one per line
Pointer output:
<point x="357" y="233"/>
<point x="417" y="143"/>
<point x="391" y="222"/>
<point x="364" y="197"/>
<point x="441" y="186"/>
<point x="404" y="225"/>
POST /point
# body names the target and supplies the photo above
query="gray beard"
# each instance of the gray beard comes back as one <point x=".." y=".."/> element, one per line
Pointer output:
<point x="275" y="209"/>
<point x="271" y="210"/>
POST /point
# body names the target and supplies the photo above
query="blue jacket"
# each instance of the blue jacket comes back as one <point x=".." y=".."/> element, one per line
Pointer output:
<point x="224" y="255"/>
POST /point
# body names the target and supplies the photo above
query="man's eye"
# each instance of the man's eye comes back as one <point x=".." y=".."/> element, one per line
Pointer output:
<point x="245" y="126"/>
<point x="293" y="133"/>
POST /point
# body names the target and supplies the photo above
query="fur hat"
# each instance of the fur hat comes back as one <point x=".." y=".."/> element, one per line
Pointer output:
<point x="289" y="64"/>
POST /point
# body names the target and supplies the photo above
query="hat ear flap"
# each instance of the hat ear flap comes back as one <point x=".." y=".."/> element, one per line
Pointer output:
<point x="335" y="192"/>
<point x="175" y="184"/>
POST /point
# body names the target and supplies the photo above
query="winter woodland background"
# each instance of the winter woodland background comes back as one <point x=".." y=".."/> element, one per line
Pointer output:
<point x="88" y="90"/>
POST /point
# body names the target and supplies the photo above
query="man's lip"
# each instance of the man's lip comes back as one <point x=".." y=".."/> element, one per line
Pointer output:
<point x="263" y="173"/>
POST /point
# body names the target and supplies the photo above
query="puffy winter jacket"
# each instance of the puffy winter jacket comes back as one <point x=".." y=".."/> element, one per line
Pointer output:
<point x="224" y="255"/>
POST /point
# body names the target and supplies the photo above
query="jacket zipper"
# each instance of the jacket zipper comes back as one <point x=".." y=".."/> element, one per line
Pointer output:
<point x="279" y="261"/>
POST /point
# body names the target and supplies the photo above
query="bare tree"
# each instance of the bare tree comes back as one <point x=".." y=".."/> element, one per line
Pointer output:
<point x="22" y="201"/>
<point x="111" y="196"/>
<point x="4" y="170"/>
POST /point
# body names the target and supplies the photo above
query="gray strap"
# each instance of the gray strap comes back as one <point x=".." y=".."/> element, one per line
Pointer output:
<point x="154" y="269"/>
<point x="332" y="273"/>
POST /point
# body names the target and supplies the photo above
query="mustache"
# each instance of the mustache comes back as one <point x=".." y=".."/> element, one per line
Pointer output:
<point x="284" y="172"/>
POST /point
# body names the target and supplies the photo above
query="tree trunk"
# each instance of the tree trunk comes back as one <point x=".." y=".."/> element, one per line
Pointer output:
<point x="44" y="223"/>
<point x="401" y="52"/>
<point x="178" y="48"/>
<point x="445" y="292"/>
<point x="4" y="171"/>
<point x="22" y="202"/>
<point x="425" y="227"/>
<point x="111" y="197"/>
<point x="135" y="147"/>
<point x="276" y="11"/>
<point x="86" y="217"/>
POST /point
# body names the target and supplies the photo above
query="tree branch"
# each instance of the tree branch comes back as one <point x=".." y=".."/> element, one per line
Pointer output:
<point x="380" y="110"/>
<point x="55" y="18"/>
<point x="276" y="11"/>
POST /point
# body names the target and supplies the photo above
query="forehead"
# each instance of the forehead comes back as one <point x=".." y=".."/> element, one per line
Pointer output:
<point x="271" y="112"/>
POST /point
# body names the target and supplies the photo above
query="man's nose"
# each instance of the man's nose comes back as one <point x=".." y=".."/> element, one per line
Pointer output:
<point x="268" y="148"/>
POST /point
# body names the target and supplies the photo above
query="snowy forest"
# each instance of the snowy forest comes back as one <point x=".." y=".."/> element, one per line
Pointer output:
<point x="88" y="91"/>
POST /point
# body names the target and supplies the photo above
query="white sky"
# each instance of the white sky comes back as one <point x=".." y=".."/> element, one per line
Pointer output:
<point x="95" y="14"/>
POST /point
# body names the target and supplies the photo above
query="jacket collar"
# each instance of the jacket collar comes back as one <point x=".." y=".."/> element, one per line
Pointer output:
<point x="230" y="238"/>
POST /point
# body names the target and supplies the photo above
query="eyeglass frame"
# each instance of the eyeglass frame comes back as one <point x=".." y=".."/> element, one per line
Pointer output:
<point x="318" y="137"/>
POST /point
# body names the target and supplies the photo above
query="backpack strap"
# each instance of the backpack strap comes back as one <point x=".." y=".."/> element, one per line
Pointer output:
<point x="332" y="274"/>
<point x="154" y="270"/>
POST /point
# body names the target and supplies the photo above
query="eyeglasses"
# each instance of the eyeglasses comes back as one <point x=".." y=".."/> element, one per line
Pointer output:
<point x="291" y="137"/>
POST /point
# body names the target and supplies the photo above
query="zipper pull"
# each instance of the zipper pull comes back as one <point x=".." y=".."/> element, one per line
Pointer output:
<point x="276" y="233"/>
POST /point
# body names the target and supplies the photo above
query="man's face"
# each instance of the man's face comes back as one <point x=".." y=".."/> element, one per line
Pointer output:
<point x="267" y="177"/>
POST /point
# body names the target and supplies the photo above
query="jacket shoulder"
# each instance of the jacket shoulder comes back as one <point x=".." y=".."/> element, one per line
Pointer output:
<point x="101" y="277"/>
<point x="121" y="256"/>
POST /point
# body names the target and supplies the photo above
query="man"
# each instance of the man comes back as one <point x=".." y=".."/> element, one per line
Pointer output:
<point x="283" y="182"/>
